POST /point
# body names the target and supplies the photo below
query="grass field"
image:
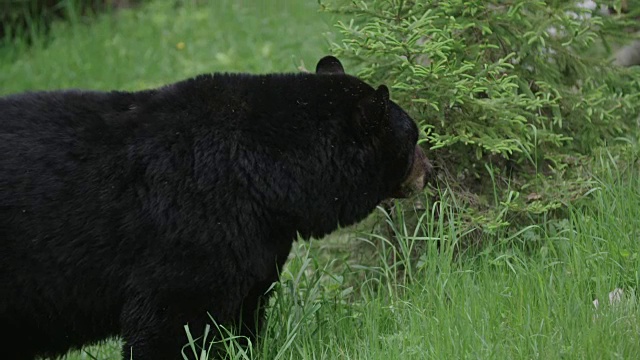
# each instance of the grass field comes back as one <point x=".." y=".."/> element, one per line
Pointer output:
<point x="163" y="42"/>
<point x="523" y="297"/>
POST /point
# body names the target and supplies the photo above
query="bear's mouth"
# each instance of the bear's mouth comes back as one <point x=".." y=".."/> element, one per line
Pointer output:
<point x="418" y="176"/>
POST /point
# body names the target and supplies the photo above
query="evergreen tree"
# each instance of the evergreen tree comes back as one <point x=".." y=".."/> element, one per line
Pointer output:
<point x="512" y="95"/>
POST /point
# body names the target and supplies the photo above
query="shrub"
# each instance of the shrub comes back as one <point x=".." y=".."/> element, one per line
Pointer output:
<point x="512" y="96"/>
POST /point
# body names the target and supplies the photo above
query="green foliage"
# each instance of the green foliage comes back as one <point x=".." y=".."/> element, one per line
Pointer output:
<point x="511" y="95"/>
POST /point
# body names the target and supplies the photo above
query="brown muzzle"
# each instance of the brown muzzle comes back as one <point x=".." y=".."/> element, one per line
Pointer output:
<point x="421" y="172"/>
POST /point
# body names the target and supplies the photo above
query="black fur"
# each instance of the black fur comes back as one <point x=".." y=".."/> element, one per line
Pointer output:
<point x="133" y="214"/>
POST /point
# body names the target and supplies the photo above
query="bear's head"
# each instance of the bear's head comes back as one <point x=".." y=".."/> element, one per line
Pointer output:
<point x="406" y="169"/>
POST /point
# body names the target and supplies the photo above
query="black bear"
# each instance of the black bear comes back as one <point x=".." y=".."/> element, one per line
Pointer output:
<point x="132" y="214"/>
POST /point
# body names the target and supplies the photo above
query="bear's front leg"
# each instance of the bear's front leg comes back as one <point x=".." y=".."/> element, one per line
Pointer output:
<point x="253" y="309"/>
<point x="153" y="327"/>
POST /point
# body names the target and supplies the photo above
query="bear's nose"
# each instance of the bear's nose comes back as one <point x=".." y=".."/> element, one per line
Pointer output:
<point x="421" y="170"/>
<point x="421" y="173"/>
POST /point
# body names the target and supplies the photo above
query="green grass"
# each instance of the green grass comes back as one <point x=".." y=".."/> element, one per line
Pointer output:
<point x="503" y="303"/>
<point x="144" y="47"/>
<point x="519" y="297"/>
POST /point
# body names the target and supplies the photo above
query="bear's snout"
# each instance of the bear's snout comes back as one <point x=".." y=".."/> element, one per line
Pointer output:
<point x="421" y="172"/>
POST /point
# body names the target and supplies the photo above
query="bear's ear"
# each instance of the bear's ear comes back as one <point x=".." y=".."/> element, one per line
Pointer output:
<point x="329" y="65"/>
<point x="373" y="110"/>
